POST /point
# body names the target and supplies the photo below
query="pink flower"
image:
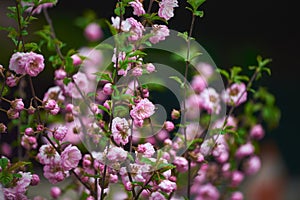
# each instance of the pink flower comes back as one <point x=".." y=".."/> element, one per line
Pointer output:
<point x="252" y="165"/>
<point x="244" y="150"/>
<point x="116" y="154"/>
<point x="166" y="8"/>
<point x="198" y="83"/>
<point x="167" y="186"/>
<point x="54" y="172"/>
<point x="146" y="149"/>
<point x="52" y="106"/>
<point x="210" y="101"/>
<point x="11" y="81"/>
<point x="169" y="126"/>
<point x="60" y="74"/>
<point x="137" y="6"/>
<point x="136" y="29"/>
<point x="76" y="60"/>
<point x="55" y="192"/>
<point x="29" y="131"/>
<point x="125" y="25"/>
<point x="257" y="132"/>
<point x="93" y="32"/>
<point x="54" y="93"/>
<point x="150" y="67"/>
<point x="107" y="89"/>
<point x="82" y="82"/>
<point x="32" y="63"/>
<point x="47" y="155"/>
<point x="120" y="130"/>
<point x="35" y="180"/>
<point x="17" y="104"/>
<point x="70" y="157"/>
<point x="235" y="95"/>
<point x="15" y="63"/>
<point x="60" y="133"/>
<point x="207" y="192"/>
<point x="142" y="110"/>
<point x="13" y="114"/>
<point x="157" y="196"/>
<point x="137" y="71"/>
<point x="181" y="164"/>
<point x="28" y="142"/>
<point x="237" y="196"/>
<point x="236" y="178"/>
<point x="23" y="182"/>
<point x="220" y="152"/>
<point x="160" y="32"/>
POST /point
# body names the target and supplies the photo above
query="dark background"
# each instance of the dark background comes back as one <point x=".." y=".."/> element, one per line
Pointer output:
<point x="233" y="32"/>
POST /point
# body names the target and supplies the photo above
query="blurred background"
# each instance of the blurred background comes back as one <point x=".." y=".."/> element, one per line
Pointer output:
<point x="234" y="33"/>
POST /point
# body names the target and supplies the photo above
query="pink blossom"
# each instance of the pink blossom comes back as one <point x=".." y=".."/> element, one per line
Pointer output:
<point x="157" y="196"/>
<point x="137" y="71"/>
<point x="47" y="155"/>
<point x="167" y="186"/>
<point x="16" y="63"/>
<point x="146" y="149"/>
<point x="210" y="101"/>
<point x="70" y="157"/>
<point x="160" y="32"/>
<point x="60" y="74"/>
<point x="125" y="25"/>
<point x="76" y="60"/>
<point x="83" y="84"/>
<point x="93" y="32"/>
<point x="166" y="8"/>
<point x="198" y="83"/>
<point x="116" y="154"/>
<point x="169" y="126"/>
<point x="207" y="192"/>
<point x="193" y="106"/>
<point x="136" y="29"/>
<point x="60" y="133"/>
<point x="244" y="150"/>
<point x="252" y="165"/>
<point x="236" y="178"/>
<point x="181" y="164"/>
<point x="107" y="89"/>
<point x="29" y="131"/>
<point x="55" y="192"/>
<point x="32" y="63"/>
<point x="205" y="70"/>
<point x="257" y="132"/>
<point x="39" y="8"/>
<point x="137" y="6"/>
<point x="35" y="180"/>
<point x="142" y="110"/>
<point x="237" y="196"/>
<point x="150" y="67"/>
<point x="54" y="172"/>
<point x="11" y="81"/>
<point x="54" y="93"/>
<point x="23" y="182"/>
<point x="120" y="130"/>
<point x="50" y="104"/>
<point x="235" y="95"/>
<point x="29" y="142"/>
<point x="220" y="152"/>
<point x="17" y="104"/>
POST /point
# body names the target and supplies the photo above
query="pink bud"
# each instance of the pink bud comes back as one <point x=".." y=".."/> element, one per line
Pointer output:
<point x="93" y="32"/>
<point x="29" y="131"/>
<point x="244" y="150"/>
<point x="107" y="104"/>
<point x="60" y="74"/>
<point x="128" y="186"/>
<point x="55" y="192"/>
<point x="17" y="105"/>
<point x="69" y="107"/>
<point x="107" y="89"/>
<point x="2" y="128"/>
<point x="35" y="180"/>
<point x="60" y="133"/>
<point x="236" y="178"/>
<point x="50" y="104"/>
<point x="40" y="127"/>
<point x="31" y="110"/>
<point x="175" y="114"/>
<point x="257" y="132"/>
<point x="11" y="81"/>
<point x="12" y="114"/>
<point x="150" y="67"/>
<point x="137" y="71"/>
<point x="237" y="196"/>
<point x="76" y="60"/>
<point x="169" y="126"/>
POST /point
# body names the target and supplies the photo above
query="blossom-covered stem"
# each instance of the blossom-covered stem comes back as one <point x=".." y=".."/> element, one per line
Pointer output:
<point x="20" y="39"/>
<point x="53" y="35"/>
<point x="141" y="190"/>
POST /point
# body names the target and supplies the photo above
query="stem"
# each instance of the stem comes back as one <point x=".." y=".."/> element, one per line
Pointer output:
<point x="139" y="193"/>
<point x="20" y="39"/>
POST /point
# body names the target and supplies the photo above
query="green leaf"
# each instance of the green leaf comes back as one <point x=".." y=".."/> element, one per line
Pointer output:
<point x="104" y="109"/>
<point x="224" y="73"/>
<point x="3" y="163"/>
<point x="183" y="35"/>
<point x="178" y="80"/>
<point x="199" y="13"/>
<point x="69" y="67"/>
<point x="67" y="80"/>
<point x="147" y="161"/>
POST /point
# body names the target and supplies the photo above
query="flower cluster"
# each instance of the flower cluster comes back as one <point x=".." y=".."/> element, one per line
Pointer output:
<point x="105" y="127"/>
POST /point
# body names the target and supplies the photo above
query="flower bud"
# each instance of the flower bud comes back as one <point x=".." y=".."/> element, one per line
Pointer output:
<point x="2" y="128"/>
<point x="55" y="192"/>
<point x="29" y="131"/>
<point x="175" y="114"/>
<point x="107" y="89"/>
<point x="35" y="180"/>
<point x="17" y="105"/>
